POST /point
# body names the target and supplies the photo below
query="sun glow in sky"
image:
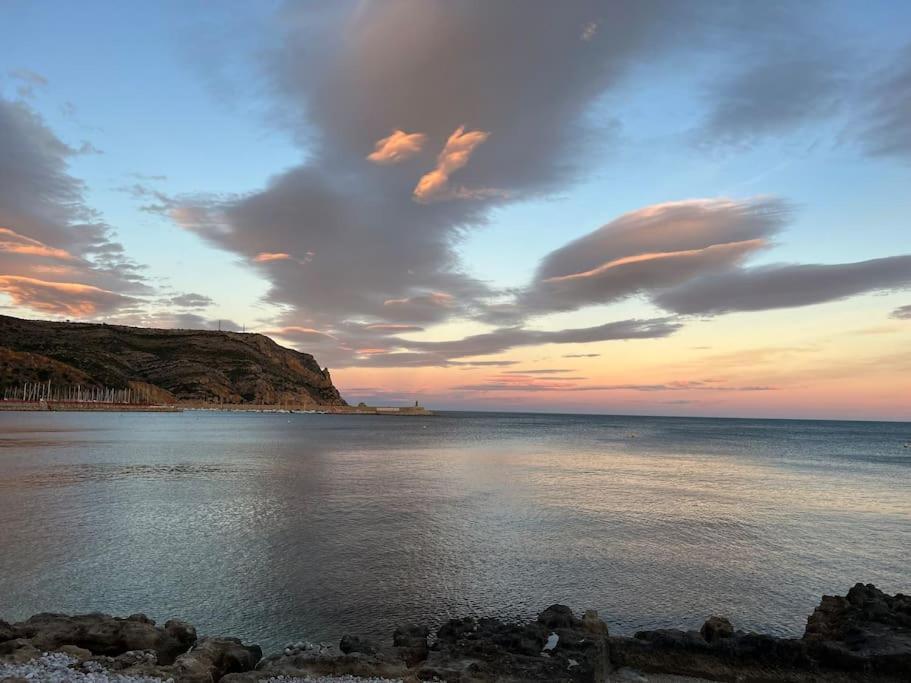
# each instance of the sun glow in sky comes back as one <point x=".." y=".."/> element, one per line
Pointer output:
<point x="630" y="207"/>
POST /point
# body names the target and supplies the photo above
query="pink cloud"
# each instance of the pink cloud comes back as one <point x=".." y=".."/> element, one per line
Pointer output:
<point x="11" y="242"/>
<point x="396" y="148"/>
<point x="268" y="256"/>
<point x="60" y="298"/>
<point x="434" y="185"/>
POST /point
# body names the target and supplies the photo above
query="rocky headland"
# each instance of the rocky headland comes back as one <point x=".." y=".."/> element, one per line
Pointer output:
<point x="164" y="366"/>
<point x="863" y="636"/>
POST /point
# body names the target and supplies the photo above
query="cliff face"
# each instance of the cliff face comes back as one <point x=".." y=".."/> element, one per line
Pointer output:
<point x="193" y="365"/>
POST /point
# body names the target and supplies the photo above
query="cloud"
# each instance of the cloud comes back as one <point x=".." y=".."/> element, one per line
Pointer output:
<point x="420" y="308"/>
<point x="394" y="70"/>
<point x="146" y="177"/>
<point x="434" y="186"/>
<point x="589" y="30"/>
<point x="557" y="386"/>
<point x="885" y="124"/>
<point x="773" y="95"/>
<point x="267" y="257"/>
<point x="503" y="339"/>
<point x="398" y="147"/>
<point x="299" y="334"/>
<point x="190" y="300"/>
<point x="12" y="242"/>
<point x="54" y="248"/>
<point x="60" y="298"/>
<point x="650" y="249"/>
<point x="403" y="66"/>
<point x="784" y="286"/>
<point x="28" y="81"/>
<point x="902" y="312"/>
<point x="581" y="355"/>
<point x="545" y="371"/>
<point x="156" y="319"/>
<point x="393" y="328"/>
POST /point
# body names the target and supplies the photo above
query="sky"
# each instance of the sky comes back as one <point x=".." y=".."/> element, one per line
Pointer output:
<point x="636" y="207"/>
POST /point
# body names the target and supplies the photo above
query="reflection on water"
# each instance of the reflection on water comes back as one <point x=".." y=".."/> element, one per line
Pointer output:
<point x="279" y="527"/>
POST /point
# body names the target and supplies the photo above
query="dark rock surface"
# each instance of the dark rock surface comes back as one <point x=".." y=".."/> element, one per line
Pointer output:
<point x="716" y="628"/>
<point x="102" y="634"/>
<point x="864" y="636"/>
<point x="193" y="365"/>
<point x="131" y="646"/>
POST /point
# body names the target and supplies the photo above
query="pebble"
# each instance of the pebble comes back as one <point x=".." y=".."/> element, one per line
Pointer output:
<point x="330" y="679"/>
<point x="56" y="667"/>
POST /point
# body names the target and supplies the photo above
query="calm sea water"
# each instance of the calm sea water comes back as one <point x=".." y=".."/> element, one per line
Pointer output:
<point x="281" y="527"/>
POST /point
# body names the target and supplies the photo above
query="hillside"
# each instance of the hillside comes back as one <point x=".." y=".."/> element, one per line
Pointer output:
<point x="184" y="365"/>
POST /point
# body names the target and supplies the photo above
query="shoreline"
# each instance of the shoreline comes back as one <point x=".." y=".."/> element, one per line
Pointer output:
<point x="863" y="636"/>
<point x="102" y="407"/>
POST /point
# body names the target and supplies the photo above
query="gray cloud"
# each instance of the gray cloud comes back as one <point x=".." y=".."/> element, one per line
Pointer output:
<point x="406" y="66"/>
<point x="649" y="249"/>
<point x="775" y="94"/>
<point x="190" y="300"/>
<point x="548" y="386"/>
<point x="28" y="81"/>
<point x="141" y="316"/>
<point x="902" y="312"/>
<point x="885" y="128"/>
<point x="545" y="371"/>
<point x="503" y="339"/>
<point x="54" y="249"/>
<point x="785" y="286"/>
<point x="355" y="346"/>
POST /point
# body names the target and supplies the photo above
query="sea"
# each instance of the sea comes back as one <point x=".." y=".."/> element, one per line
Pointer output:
<point x="286" y="527"/>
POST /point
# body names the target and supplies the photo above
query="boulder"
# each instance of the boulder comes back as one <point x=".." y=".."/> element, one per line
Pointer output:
<point x="715" y="628"/>
<point x="411" y="643"/>
<point x="350" y="644"/>
<point x="558" y="616"/>
<point x="592" y="623"/>
<point x="102" y="634"/>
<point x="213" y="658"/>
<point x="866" y="630"/>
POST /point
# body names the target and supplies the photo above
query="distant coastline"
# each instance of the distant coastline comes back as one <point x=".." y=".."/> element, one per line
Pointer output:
<point x="108" y="407"/>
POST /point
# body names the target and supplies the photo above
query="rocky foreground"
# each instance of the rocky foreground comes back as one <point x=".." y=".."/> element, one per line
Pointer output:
<point x="865" y="636"/>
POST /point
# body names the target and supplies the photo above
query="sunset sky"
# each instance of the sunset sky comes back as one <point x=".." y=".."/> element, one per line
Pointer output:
<point x="651" y="207"/>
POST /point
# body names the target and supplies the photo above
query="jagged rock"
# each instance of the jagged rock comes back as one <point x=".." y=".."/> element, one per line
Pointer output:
<point x="410" y="636"/>
<point x="213" y="658"/>
<point x="593" y="624"/>
<point x="180" y="631"/>
<point x="490" y="650"/>
<point x="558" y="616"/>
<point x="715" y="628"/>
<point x="867" y="630"/>
<point x="350" y="644"/>
<point x="862" y="637"/>
<point x="6" y="631"/>
<point x="411" y="643"/>
<point x="102" y="634"/>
